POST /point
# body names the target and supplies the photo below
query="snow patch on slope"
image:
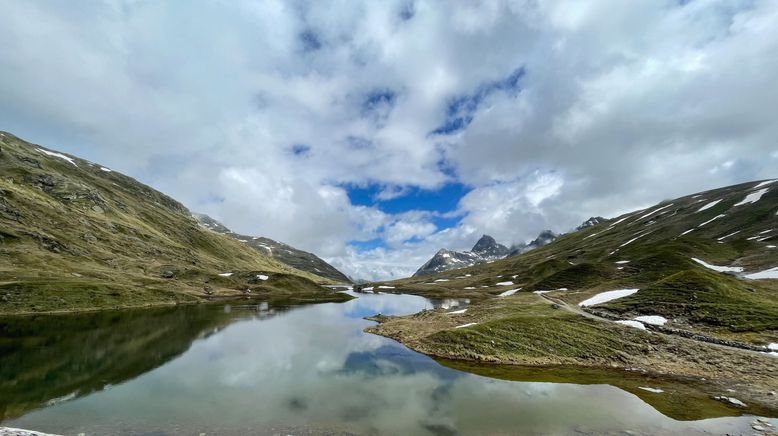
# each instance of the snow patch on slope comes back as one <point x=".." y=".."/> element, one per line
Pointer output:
<point x="718" y="268"/>
<point x="753" y="197"/>
<point x="509" y="293"/>
<point x="57" y="155"/>
<point x="634" y="324"/>
<point x="652" y="319"/>
<point x="771" y="273"/>
<point x="709" y="205"/>
<point x="604" y="297"/>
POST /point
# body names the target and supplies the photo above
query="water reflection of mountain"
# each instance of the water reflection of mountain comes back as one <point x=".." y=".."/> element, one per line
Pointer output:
<point x="46" y="359"/>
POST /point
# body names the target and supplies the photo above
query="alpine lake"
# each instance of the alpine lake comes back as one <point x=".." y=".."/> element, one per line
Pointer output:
<point x="250" y="368"/>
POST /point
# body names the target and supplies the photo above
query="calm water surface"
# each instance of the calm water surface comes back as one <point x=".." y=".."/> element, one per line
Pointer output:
<point x="263" y="369"/>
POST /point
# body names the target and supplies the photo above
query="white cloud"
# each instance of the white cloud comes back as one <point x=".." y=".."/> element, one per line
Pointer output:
<point x="621" y="105"/>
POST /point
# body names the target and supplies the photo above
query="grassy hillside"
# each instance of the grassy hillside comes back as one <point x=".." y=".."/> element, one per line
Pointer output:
<point x="279" y="251"/>
<point x="77" y="236"/>
<point x="651" y="250"/>
<point x="733" y="230"/>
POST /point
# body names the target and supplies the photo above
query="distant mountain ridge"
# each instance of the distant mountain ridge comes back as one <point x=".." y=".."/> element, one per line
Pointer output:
<point x="279" y="251"/>
<point x="544" y="238"/>
<point x="487" y="249"/>
<point x="593" y="221"/>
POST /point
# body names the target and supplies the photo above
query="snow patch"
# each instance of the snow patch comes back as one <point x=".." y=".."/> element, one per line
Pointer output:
<point x="617" y="222"/>
<point x="227" y="274"/>
<point x="709" y="205"/>
<point x="621" y="262"/>
<point x="633" y="324"/>
<point x="57" y="155"/>
<point x="441" y="280"/>
<point x="727" y="236"/>
<point x="633" y="240"/>
<point x="470" y="287"/>
<point x="385" y="287"/>
<point x="718" y="268"/>
<point x="369" y="288"/>
<point x="604" y="297"/>
<point x="712" y="219"/>
<point x="730" y="400"/>
<point x="457" y="312"/>
<point x="652" y="319"/>
<point x="465" y="325"/>
<point x="509" y="293"/>
<point x="262" y="277"/>
<point x="765" y="183"/>
<point x="503" y="284"/>
<point x="107" y="170"/>
<point x="654" y="390"/>
<point x="653" y="212"/>
<point x="771" y="273"/>
<point x="753" y="197"/>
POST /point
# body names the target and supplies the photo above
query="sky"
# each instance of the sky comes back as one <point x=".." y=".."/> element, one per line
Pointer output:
<point x="374" y="133"/>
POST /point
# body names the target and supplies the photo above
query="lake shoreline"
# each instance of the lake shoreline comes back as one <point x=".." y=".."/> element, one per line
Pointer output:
<point x="336" y="297"/>
<point x="477" y="336"/>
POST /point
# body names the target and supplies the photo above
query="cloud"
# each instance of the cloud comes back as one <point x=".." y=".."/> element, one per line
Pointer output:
<point x="263" y="114"/>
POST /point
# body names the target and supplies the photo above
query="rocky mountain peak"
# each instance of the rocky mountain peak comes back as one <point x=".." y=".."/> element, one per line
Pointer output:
<point x="488" y="246"/>
<point x="593" y="221"/>
<point x="544" y="238"/>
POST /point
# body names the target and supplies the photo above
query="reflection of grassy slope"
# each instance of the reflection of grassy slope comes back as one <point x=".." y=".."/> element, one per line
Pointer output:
<point x="48" y="357"/>
<point x="660" y="265"/>
<point x="681" y="400"/>
<point x="75" y="237"/>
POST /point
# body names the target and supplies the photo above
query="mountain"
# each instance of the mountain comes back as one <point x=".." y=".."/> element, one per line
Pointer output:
<point x="485" y="250"/>
<point x="544" y="238"/>
<point x="488" y="248"/>
<point x="593" y="221"/>
<point x="279" y="251"/>
<point x="75" y="235"/>
<point x="686" y="288"/>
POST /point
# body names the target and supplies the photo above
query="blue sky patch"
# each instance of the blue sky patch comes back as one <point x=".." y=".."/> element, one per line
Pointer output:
<point x="461" y="109"/>
<point x="407" y="11"/>
<point x="379" y="97"/>
<point x="447" y="221"/>
<point x="301" y="149"/>
<point x="367" y="245"/>
<point x="310" y="41"/>
<point x="442" y="200"/>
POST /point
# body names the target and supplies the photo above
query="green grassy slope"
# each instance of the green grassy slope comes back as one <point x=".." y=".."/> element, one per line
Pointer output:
<point x="77" y="236"/>
<point x="279" y="251"/>
<point x="652" y="250"/>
